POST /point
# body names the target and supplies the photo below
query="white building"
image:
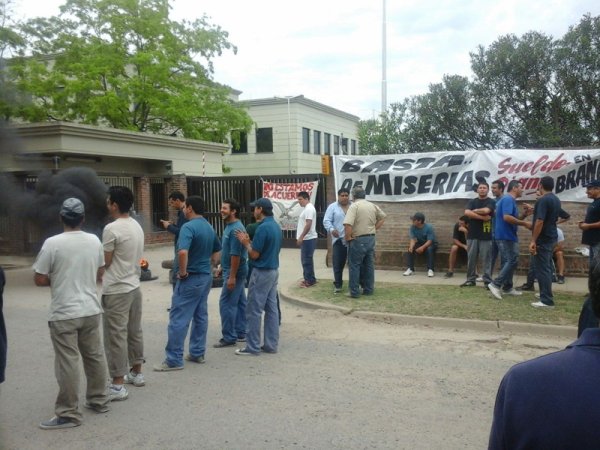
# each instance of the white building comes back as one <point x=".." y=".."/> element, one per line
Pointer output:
<point x="290" y="135"/>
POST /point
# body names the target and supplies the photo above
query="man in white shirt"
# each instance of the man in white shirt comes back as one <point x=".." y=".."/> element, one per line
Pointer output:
<point x="306" y="239"/>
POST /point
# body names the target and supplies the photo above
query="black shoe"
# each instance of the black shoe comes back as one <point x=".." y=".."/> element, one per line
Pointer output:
<point x="527" y="287"/>
<point x="265" y="350"/>
<point x="223" y="343"/>
<point x="561" y="279"/>
<point x="449" y="275"/>
<point x="468" y="284"/>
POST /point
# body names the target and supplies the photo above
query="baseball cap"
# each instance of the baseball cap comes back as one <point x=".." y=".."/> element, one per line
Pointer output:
<point x="418" y="216"/>
<point x="593" y="184"/>
<point x="72" y="207"/>
<point x="263" y="203"/>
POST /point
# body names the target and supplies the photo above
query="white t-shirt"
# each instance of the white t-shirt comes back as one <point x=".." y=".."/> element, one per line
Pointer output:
<point x="125" y="238"/>
<point x="309" y="213"/>
<point x="71" y="260"/>
<point x="560" y="234"/>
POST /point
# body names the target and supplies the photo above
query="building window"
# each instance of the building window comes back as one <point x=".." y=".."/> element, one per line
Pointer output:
<point x="305" y="140"/>
<point x="264" y="140"/>
<point x="326" y="143"/>
<point x="336" y="145"/>
<point x="317" y="142"/>
<point x="345" y="146"/>
<point x="353" y="144"/>
<point x="239" y="142"/>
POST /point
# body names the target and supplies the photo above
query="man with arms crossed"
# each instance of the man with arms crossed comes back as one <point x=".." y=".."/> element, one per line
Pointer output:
<point x="334" y="224"/>
<point x="197" y="246"/>
<point x="71" y="263"/>
<point x="123" y="241"/>
<point x="306" y="239"/>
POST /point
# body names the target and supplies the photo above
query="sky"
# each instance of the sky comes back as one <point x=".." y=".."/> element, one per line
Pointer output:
<point x="330" y="51"/>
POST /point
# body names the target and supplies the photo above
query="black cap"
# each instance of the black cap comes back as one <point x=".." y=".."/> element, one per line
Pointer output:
<point x="593" y="184"/>
<point x="418" y="216"/>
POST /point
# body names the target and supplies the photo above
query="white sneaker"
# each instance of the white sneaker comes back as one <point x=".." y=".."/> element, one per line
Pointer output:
<point x="514" y="292"/>
<point x="137" y="379"/>
<point x="495" y="290"/>
<point x="115" y="394"/>
<point x="408" y="272"/>
<point x="430" y="273"/>
<point x="479" y="279"/>
<point x="541" y="305"/>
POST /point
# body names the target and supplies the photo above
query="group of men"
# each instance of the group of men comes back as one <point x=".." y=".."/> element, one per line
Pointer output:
<point x="73" y="262"/>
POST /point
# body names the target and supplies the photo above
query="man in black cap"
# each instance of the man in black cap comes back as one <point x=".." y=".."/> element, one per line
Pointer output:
<point x="422" y="240"/>
<point x="71" y="263"/>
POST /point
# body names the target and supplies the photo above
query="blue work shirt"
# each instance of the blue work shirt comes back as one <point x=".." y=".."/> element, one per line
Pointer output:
<point x="232" y="246"/>
<point x="423" y="234"/>
<point x="267" y="242"/>
<point x="334" y="220"/>
<point x="504" y="231"/>
<point x="198" y="237"/>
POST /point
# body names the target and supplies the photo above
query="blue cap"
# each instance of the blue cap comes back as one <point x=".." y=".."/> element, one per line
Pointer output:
<point x="263" y="203"/>
<point x="72" y="208"/>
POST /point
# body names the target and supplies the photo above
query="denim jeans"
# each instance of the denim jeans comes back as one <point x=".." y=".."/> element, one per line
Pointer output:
<point x="430" y="253"/>
<point x="232" y="306"/>
<point x="361" y="263"/>
<point x="543" y="271"/>
<point x="307" y="251"/>
<point x="531" y="271"/>
<point x="262" y="296"/>
<point x="509" y="258"/>
<point x="338" y="258"/>
<point x="478" y="249"/>
<point x="189" y="304"/>
<point x="495" y="251"/>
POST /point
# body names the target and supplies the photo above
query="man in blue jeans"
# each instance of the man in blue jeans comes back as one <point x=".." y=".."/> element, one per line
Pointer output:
<point x="505" y="232"/>
<point x="262" y="289"/>
<point x="232" y="303"/>
<point x="197" y="245"/>
<point x="333" y="222"/>
<point x="422" y="240"/>
<point x="543" y="239"/>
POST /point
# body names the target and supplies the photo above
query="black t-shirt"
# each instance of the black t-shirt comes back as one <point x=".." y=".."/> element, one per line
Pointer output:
<point x="547" y="208"/>
<point x="592" y="215"/>
<point x="478" y="229"/>
<point x="459" y="235"/>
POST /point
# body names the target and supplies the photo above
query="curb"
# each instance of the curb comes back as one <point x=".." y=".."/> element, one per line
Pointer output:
<point x="439" y="322"/>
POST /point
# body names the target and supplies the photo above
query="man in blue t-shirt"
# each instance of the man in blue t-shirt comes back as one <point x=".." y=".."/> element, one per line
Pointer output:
<point x="505" y="233"/>
<point x="422" y="240"/>
<point x="232" y="303"/>
<point x="262" y="289"/>
<point x="197" y="250"/>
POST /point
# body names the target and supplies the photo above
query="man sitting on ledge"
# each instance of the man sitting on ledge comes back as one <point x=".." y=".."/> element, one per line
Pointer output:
<point x="422" y="240"/>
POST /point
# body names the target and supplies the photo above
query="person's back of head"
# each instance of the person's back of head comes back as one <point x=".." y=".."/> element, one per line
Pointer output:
<point x="358" y="193"/>
<point x="196" y="203"/>
<point x="547" y="183"/>
<point x="122" y="197"/>
<point x="72" y="213"/>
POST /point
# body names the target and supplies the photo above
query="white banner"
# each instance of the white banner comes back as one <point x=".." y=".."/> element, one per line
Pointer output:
<point x="286" y="209"/>
<point x="449" y="175"/>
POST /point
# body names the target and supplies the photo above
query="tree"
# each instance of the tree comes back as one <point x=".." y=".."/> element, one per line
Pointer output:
<point x="383" y="135"/>
<point x="10" y="42"/>
<point x="127" y="65"/>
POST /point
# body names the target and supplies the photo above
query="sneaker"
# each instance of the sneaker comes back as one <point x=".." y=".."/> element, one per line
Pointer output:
<point x="337" y="290"/>
<point x="196" y="359"/>
<point x="513" y="292"/>
<point x="265" y="350"/>
<point x="495" y="290"/>
<point x="430" y="273"/>
<point x="137" y="379"/>
<point x="117" y="394"/>
<point x="245" y="352"/>
<point x="57" y="423"/>
<point x="527" y="287"/>
<point x="479" y="279"/>
<point x="164" y="367"/>
<point x="468" y="284"/>
<point x="537" y="295"/>
<point x="408" y="272"/>
<point x="561" y="279"/>
<point x="449" y="275"/>
<point x="241" y="339"/>
<point x="223" y="343"/>
<point x="100" y="409"/>
<point x="541" y="305"/>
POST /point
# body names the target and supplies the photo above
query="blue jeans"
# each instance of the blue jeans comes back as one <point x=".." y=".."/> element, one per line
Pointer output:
<point x="338" y="259"/>
<point x="232" y="306"/>
<point x="531" y="271"/>
<point x="307" y="250"/>
<point x="262" y="296"/>
<point x="430" y="253"/>
<point x="509" y="258"/>
<point x="361" y="264"/>
<point x="188" y="304"/>
<point x="495" y="251"/>
<point x="543" y="271"/>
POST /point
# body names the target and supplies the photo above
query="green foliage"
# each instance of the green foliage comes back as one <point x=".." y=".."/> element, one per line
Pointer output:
<point x="126" y="64"/>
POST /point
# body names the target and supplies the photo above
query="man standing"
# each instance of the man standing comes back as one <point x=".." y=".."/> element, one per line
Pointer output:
<point x="505" y="227"/>
<point x="123" y="241"/>
<point x="232" y="304"/>
<point x="362" y="220"/>
<point x="497" y="192"/>
<point x="459" y="242"/>
<point x="590" y="226"/>
<point x="306" y="239"/>
<point x="177" y="201"/>
<point x="543" y="239"/>
<point x="334" y="224"/>
<point x="479" y="239"/>
<point x="262" y="289"/>
<point x="422" y="240"/>
<point x="196" y="246"/>
<point x="71" y="263"/>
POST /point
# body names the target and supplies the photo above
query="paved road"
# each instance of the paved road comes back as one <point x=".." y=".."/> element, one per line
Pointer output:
<point x="338" y="382"/>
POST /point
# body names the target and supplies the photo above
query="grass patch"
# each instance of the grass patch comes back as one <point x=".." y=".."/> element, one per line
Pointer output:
<point x="451" y="301"/>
